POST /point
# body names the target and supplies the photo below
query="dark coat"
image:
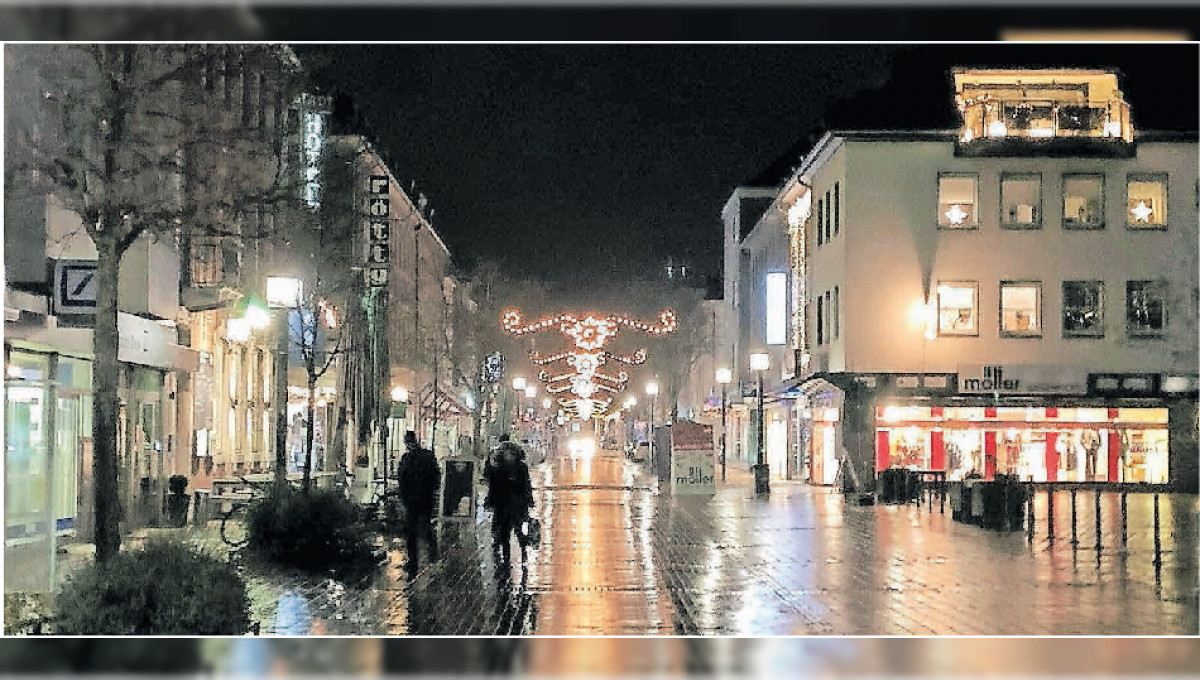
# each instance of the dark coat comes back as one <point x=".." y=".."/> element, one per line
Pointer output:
<point x="510" y="490"/>
<point x="419" y="478"/>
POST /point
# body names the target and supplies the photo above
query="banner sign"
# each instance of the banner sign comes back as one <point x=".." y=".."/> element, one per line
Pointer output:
<point x="378" y="230"/>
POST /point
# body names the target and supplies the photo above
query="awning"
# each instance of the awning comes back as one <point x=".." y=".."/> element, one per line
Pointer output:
<point x="815" y="389"/>
<point x="446" y="403"/>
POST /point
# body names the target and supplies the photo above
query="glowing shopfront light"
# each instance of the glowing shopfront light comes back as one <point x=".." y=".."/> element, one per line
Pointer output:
<point x="399" y="394"/>
<point x="997" y="129"/>
<point x="237" y="330"/>
<point x="284" y="291"/>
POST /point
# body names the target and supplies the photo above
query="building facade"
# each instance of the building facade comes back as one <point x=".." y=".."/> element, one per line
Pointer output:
<point x="1018" y="296"/>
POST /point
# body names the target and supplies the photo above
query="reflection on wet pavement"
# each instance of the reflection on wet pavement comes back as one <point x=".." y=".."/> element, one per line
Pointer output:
<point x="618" y="557"/>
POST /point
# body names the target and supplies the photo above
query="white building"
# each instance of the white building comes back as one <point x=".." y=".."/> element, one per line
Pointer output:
<point x="1017" y="296"/>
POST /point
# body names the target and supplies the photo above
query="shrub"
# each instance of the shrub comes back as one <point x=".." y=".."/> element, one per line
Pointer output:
<point x="315" y="531"/>
<point x="165" y="589"/>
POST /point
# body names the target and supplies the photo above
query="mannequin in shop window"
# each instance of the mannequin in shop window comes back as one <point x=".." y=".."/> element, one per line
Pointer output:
<point x="1091" y="448"/>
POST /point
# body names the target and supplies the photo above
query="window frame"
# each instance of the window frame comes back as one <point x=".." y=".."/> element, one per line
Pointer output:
<point x="958" y="283"/>
<point x="837" y="208"/>
<point x="820" y="320"/>
<point x="1038" y="305"/>
<point x="938" y="214"/>
<point x="820" y="223"/>
<point x="1160" y="333"/>
<point x="837" y="313"/>
<point x="1085" y="226"/>
<point x="1039" y="212"/>
<point x="1162" y="177"/>
<point x="1068" y="334"/>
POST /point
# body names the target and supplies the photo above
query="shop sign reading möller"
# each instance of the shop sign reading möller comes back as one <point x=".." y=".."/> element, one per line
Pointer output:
<point x="1021" y="379"/>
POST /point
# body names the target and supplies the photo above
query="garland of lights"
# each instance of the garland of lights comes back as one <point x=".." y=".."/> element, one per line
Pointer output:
<point x="589" y="335"/>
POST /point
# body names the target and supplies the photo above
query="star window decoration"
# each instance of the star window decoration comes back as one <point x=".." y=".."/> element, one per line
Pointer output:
<point x="956" y="214"/>
<point x="1142" y="212"/>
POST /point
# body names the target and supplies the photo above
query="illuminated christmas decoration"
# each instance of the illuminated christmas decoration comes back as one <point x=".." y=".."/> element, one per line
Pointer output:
<point x="589" y="336"/>
<point x="956" y="214"/>
<point x="1142" y="212"/>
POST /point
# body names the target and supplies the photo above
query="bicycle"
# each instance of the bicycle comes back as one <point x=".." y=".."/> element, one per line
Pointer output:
<point x="235" y="533"/>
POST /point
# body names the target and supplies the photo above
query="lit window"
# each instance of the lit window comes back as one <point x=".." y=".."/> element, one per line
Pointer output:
<point x="1021" y="198"/>
<point x="1145" y="307"/>
<point x="1020" y="308"/>
<point x="1083" y="309"/>
<point x="1083" y="201"/>
<point x="956" y="201"/>
<point x="1146" y="206"/>
<point x="958" y="308"/>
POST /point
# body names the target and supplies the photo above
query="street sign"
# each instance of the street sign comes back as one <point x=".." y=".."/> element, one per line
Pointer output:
<point x="692" y="472"/>
<point x="75" y="287"/>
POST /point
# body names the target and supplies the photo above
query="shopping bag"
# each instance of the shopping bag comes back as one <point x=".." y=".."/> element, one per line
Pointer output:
<point x="531" y="532"/>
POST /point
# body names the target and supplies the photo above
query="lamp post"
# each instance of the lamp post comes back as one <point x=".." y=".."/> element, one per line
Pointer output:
<point x="518" y="385"/>
<point x="283" y="293"/>
<point x="724" y="376"/>
<point x="759" y="363"/>
<point x="652" y="391"/>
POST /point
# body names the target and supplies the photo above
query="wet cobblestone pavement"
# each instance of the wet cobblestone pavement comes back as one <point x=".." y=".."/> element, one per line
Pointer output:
<point x="619" y="558"/>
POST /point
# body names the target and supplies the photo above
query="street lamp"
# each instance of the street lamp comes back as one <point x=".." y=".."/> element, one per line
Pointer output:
<point x="652" y="391"/>
<point x="283" y="293"/>
<point x="724" y="376"/>
<point x="531" y="392"/>
<point x="398" y="413"/>
<point x="759" y="363"/>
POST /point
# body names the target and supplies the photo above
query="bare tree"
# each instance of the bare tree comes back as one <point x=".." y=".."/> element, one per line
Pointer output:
<point x="140" y="140"/>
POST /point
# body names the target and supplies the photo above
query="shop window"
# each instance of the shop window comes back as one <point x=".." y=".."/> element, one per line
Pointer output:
<point x="958" y="308"/>
<point x="1145" y="307"/>
<point x="1083" y="201"/>
<point x="1083" y="309"/>
<point x="1021" y="201"/>
<point x="956" y="201"/>
<point x="1144" y="456"/>
<point x="1146" y="201"/>
<point x="1020" y="309"/>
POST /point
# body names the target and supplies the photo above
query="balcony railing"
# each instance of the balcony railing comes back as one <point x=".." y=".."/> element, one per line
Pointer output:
<point x="997" y="119"/>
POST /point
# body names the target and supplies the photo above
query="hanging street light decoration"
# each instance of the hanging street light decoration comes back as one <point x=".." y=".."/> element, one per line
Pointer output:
<point x="582" y="375"/>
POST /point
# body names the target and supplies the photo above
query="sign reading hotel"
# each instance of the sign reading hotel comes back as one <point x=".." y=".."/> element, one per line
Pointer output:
<point x="378" y="231"/>
<point x="1021" y="379"/>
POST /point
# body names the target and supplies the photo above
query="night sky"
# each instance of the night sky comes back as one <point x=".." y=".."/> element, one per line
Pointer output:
<point x="574" y="161"/>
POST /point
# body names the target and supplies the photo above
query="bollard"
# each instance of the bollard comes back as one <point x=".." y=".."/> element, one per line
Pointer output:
<point x="1157" y="541"/>
<point x="1029" y="496"/>
<point x="1050" y="513"/>
<point x="1097" y="520"/>
<point x="1124" y="520"/>
<point x="1004" y="509"/>
<point x="942" y="495"/>
<point x="1074" y="534"/>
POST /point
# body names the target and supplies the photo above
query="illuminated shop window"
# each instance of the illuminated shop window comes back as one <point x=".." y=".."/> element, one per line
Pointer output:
<point x="1083" y="309"/>
<point x="958" y="309"/>
<point x="1020" y="308"/>
<point x="1021" y="201"/>
<point x="956" y="201"/>
<point x="1145" y="307"/>
<point x="1146" y="201"/>
<point x="1144" y="456"/>
<point x="1083" y="201"/>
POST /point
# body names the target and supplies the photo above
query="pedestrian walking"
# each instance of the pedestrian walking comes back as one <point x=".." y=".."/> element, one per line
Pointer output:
<point x="509" y="496"/>
<point x="419" y="477"/>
